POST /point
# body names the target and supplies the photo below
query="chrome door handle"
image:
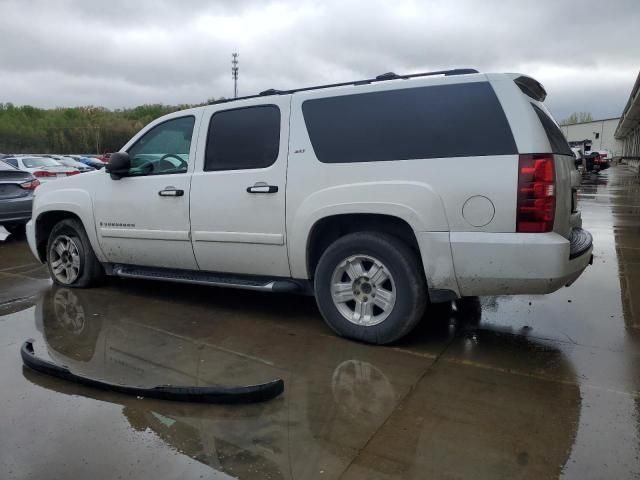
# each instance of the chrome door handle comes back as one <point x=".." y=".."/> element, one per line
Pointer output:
<point x="171" y="192"/>
<point x="262" y="187"/>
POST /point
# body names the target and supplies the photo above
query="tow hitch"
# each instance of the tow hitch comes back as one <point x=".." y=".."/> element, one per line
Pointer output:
<point x="215" y="394"/>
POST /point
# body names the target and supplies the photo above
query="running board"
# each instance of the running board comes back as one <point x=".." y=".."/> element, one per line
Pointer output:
<point x="248" y="282"/>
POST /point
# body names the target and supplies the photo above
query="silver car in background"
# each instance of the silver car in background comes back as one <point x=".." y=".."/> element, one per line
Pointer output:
<point x="68" y="161"/>
<point x="43" y="168"/>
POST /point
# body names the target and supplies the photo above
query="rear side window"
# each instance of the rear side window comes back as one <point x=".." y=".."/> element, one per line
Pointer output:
<point x="243" y="138"/>
<point x="8" y="165"/>
<point x="557" y="141"/>
<point x="413" y="123"/>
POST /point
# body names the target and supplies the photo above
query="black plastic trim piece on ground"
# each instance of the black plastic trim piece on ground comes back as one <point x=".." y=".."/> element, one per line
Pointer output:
<point x="217" y="394"/>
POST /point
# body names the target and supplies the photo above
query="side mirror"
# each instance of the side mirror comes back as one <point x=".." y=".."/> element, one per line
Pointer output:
<point x="119" y="165"/>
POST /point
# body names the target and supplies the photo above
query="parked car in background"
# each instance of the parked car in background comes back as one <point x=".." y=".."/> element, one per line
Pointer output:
<point x="602" y="162"/>
<point x="16" y="197"/>
<point x="596" y="162"/>
<point x="72" y="162"/>
<point x="89" y="161"/>
<point x="43" y="168"/>
<point x="577" y="153"/>
<point x="604" y="159"/>
<point x="104" y="157"/>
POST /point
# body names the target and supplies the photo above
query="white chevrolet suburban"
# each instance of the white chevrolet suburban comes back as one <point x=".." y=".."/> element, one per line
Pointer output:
<point x="379" y="196"/>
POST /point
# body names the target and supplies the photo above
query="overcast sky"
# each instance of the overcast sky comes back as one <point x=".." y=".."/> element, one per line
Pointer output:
<point x="121" y="53"/>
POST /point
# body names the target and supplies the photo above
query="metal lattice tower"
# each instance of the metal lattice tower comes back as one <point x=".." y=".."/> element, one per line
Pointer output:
<point x="234" y="73"/>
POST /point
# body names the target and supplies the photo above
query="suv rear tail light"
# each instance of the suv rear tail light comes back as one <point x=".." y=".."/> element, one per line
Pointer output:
<point x="30" y="185"/>
<point x="75" y="172"/>
<point x="536" y="194"/>
<point x="42" y="173"/>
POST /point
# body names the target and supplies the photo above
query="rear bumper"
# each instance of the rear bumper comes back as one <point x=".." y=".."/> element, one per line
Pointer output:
<point x="16" y="210"/>
<point x="518" y="263"/>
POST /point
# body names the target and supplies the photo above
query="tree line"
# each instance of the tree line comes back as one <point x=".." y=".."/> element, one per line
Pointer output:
<point x="577" y="117"/>
<point x="27" y="129"/>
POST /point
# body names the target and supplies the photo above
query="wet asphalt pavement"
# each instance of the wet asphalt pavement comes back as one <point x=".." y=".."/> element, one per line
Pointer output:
<point x="506" y="387"/>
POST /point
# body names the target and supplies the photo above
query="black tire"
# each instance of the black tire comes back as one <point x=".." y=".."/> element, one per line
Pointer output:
<point x="91" y="271"/>
<point x="405" y="269"/>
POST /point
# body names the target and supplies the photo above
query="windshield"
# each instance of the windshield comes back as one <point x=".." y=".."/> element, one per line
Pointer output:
<point x="35" y="162"/>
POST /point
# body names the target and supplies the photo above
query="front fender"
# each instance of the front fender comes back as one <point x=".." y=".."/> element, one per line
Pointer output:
<point x="73" y="200"/>
<point x="414" y="202"/>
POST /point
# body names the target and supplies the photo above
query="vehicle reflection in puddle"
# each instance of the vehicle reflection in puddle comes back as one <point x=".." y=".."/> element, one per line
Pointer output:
<point x="361" y="389"/>
<point x="347" y="407"/>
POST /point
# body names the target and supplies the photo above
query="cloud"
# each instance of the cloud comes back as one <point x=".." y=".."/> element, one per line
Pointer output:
<point x="123" y="53"/>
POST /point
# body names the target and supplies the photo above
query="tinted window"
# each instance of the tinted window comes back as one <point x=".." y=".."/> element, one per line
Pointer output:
<point x="39" y="162"/>
<point x="9" y="165"/>
<point x="164" y="149"/>
<point x="426" y="122"/>
<point x="554" y="134"/>
<point x="243" y="138"/>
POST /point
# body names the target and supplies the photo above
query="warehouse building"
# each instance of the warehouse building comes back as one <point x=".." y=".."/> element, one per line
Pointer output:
<point x="628" y="129"/>
<point x="600" y="134"/>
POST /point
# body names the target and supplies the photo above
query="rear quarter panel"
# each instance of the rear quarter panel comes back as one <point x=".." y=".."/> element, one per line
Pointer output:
<point x="429" y="194"/>
<point x="531" y="137"/>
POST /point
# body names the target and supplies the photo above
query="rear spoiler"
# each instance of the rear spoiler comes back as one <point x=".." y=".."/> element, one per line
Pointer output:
<point x="531" y="87"/>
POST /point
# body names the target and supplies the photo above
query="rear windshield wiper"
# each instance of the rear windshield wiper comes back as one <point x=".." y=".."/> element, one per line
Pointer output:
<point x="214" y="394"/>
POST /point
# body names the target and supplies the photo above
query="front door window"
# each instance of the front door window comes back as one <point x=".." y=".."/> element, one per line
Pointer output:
<point x="164" y="149"/>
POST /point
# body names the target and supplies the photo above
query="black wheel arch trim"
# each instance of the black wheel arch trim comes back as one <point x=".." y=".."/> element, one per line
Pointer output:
<point x="44" y="223"/>
<point x="442" y="295"/>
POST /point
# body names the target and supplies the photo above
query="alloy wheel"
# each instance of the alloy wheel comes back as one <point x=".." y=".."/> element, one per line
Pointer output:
<point x="64" y="258"/>
<point x="363" y="290"/>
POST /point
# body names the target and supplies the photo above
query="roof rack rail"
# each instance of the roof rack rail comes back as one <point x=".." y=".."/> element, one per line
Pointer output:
<point x="388" y="76"/>
<point x="380" y="78"/>
<point x="271" y="91"/>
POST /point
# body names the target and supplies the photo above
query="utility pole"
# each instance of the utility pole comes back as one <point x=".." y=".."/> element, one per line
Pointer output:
<point x="234" y="73"/>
